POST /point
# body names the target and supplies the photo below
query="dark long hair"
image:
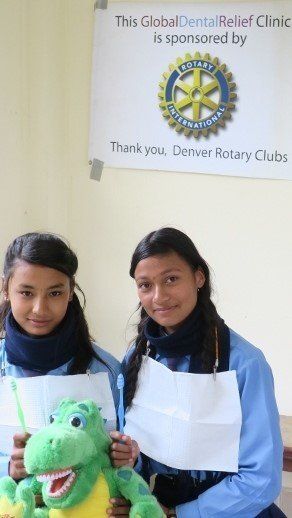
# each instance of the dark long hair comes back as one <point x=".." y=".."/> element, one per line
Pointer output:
<point x="46" y="249"/>
<point x="161" y="242"/>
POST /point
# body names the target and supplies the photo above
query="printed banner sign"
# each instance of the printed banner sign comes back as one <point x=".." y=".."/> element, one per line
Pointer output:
<point x="194" y="87"/>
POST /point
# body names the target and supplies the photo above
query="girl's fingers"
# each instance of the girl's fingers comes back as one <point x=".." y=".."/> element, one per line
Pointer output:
<point x="119" y="501"/>
<point x="121" y="452"/>
<point x="17" y="454"/>
<point x="39" y="500"/>
<point x="117" y="446"/>
<point x="135" y="450"/>
<point x="20" y="439"/>
<point x="121" y="507"/>
<point x="121" y="455"/>
<point x="130" y="451"/>
<point x="21" y="474"/>
<point x="19" y="464"/>
<point x="119" y="512"/>
<point x="121" y="463"/>
<point x="117" y="436"/>
<point x="124" y="451"/>
<point x="17" y="473"/>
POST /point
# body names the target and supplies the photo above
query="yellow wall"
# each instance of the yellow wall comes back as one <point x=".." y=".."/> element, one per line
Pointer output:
<point x="241" y="226"/>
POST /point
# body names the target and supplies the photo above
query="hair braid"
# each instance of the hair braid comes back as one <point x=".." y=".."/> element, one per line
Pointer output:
<point x="135" y="361"/>
<point x="210" y="319"/>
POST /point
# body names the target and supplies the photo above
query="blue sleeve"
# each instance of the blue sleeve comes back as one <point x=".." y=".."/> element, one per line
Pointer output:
<point x="113" y="383"/>
<point x="113" y="372"/>
<point x="4" y="461"/>
<point x="112" y="367"/>
<point x="258" y="481"/>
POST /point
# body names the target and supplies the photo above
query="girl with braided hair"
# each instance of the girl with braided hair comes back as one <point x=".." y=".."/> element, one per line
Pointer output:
<point x="180" y="328"/>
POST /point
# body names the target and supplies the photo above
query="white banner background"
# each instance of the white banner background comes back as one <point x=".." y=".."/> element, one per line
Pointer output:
<point x="127" y="126"/>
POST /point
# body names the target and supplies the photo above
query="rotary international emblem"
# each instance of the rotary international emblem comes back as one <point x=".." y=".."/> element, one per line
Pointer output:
<point x="197" y="95"/>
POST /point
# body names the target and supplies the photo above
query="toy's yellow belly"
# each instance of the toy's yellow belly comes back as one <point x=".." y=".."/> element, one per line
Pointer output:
<point x="94" y="506"/>
<point x="9" y="510"/>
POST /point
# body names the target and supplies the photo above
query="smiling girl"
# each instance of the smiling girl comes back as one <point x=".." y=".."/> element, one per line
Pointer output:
<point x="180" y="329"/>
<point x="42" y="323"/>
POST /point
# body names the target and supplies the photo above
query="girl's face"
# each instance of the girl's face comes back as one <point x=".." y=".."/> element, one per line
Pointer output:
<point x="39" y="297"/>
<point x="168" y="288"/>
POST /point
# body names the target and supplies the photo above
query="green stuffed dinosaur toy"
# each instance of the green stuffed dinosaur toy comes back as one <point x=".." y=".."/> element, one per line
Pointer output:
<point x="69" y="459"/>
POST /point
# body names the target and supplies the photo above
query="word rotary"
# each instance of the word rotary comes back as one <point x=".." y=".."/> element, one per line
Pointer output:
<point x="197" y="95"/>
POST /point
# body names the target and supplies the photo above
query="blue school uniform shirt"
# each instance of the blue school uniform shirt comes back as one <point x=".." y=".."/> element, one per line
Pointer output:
<point x="94" y="367"/>
<point x="258" y="481"/>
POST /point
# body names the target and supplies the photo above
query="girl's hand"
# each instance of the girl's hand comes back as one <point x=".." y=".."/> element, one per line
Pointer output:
<point x="121" y="507"/>
<point x="169" y="513"/>
<point x="39" y="500"/>
<point x="124" y="451"/>
<point x="16" y="465"/>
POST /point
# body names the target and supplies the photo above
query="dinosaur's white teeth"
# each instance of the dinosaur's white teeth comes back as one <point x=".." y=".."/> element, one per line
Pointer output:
<point x="46" y="477"/>
<point x="64" y="489"/>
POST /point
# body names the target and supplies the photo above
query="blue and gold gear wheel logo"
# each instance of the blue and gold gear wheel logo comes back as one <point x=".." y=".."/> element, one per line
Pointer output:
<point x="197" y="95"/>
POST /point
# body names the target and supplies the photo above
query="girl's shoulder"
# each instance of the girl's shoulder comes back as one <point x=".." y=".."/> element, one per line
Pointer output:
<point x="110" y="362"/>
<point x="128" y="354"/>
<point x="107" y="364"/>
<point x="242" y="352"/>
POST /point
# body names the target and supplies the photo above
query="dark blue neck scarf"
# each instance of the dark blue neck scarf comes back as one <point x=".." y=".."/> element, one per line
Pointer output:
<point x="188" y="340"/>
<point x="43" y="353"/>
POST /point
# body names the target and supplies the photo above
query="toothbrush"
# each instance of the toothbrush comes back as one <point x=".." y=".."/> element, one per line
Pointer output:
<point x="121" y="411"/>
<point x="19" y="408"/>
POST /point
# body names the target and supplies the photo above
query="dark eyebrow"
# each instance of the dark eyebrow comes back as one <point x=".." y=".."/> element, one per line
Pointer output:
<point x="170" y="270"/>
<point x="29" y="287"/>
<point x="165" y="272"/>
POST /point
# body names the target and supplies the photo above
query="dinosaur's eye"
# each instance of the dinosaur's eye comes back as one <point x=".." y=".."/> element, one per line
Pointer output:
<point x="52" y="418"/>
<point x="77" y="420"/>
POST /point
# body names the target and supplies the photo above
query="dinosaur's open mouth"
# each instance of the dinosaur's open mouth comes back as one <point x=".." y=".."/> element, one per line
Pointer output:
<point x="59" y="482"/>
